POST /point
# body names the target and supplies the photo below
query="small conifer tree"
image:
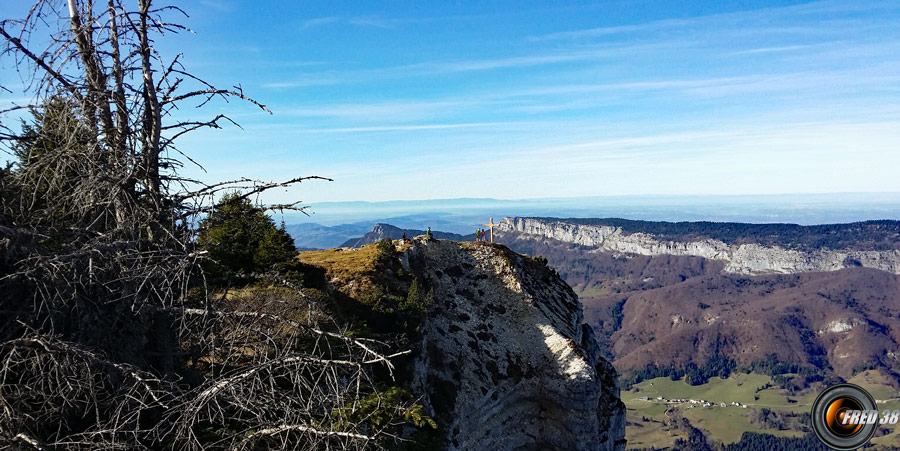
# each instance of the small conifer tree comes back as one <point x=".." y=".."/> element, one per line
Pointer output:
<point x="242" y="239"/>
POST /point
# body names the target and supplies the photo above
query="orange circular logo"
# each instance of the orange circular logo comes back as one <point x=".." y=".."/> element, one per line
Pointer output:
<point x="837" y="413"/>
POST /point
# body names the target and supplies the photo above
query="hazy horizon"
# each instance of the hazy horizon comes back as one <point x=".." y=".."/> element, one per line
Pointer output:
<point x="890" y="194"/>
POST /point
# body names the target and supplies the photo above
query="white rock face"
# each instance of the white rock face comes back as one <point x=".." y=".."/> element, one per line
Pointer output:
<point x="841" y="325"/>
<point x="506" y="362"/>
<point x="740" y="259"/>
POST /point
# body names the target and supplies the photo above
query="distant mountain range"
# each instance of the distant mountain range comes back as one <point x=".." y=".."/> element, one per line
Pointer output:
<point x="333" y="223"/>
<point x="317" y="236"/>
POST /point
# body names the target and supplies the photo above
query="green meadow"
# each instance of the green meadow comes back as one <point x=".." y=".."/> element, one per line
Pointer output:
<point x="647" y="419"/>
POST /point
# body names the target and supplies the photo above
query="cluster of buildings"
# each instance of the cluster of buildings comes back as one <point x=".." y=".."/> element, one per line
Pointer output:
<point x="693" y="402"/>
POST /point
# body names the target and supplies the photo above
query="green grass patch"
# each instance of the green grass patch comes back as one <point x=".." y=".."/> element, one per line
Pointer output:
<point x="726" y="424"/>
<point x="893" y="437"/>
<point x="646" y="434"/>
<point x="739" y="387"/>
<point x="646" y="426"/>
<point x="638" y="409"/>
<point x="876" y="383"/>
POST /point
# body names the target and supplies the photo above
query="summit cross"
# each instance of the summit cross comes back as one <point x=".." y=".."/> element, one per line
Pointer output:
<point x="491" y="225"/>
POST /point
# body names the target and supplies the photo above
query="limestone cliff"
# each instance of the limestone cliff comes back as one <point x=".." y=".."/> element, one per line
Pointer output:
<point x="505" y="361"/>
<point x="739" y="258"/>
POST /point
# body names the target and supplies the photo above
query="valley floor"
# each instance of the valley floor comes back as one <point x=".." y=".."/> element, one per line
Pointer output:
<point x="648" y="417"/>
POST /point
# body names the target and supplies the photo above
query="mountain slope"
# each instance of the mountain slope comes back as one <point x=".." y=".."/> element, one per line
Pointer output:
<point x="843" y="320"/>
<point x="669" y="307"/>
<point x="502" y="359"/>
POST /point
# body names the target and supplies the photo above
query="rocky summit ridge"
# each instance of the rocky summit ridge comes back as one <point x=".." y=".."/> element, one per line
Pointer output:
<point x="740" y="258"/>
<point x="505" y="360"/>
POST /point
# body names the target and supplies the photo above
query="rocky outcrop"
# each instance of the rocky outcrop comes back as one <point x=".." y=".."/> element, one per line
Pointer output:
<point x="381" y="231"/>
<point x="739" y="259"/>
<point x="506" y="362"/>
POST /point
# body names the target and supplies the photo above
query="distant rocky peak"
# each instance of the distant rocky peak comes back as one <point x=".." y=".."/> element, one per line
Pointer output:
<point x="382" y="231"/>
<point x="385" y="230"/>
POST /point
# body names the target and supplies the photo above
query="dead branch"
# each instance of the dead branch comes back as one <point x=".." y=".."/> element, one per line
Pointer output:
<point x="30" y="441"/>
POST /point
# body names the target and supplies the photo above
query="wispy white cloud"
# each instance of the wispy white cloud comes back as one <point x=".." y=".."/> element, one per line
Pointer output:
<point x="885" y="76"/>
<point x="804" y="137"/>
<point x="361" y="21"/>
<point x="610" y="147"/>
<point x="400" y="109"/>
<point x="371" y="22"/>
<point x="771" y="91"/>
<point x="779" y="49"/>
<point x="596" y="53"/>
<point x="837" y="51"/>
<point x="405" y="128"/>
<point x="593" y="53"/>
<point x="879" y="53"/>
<point x="219" y="5"/>
<point x="305" y="81"/>
<point x="294" y="63"/>
<point x="758" y="17"/>
<point x="318" y="21"/>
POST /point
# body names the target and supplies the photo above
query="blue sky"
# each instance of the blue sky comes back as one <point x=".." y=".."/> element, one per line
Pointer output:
<point x="427" y="99"/>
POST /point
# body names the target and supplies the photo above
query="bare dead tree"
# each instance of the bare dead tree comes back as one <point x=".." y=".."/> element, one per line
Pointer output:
<point x="109" y="337"/>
